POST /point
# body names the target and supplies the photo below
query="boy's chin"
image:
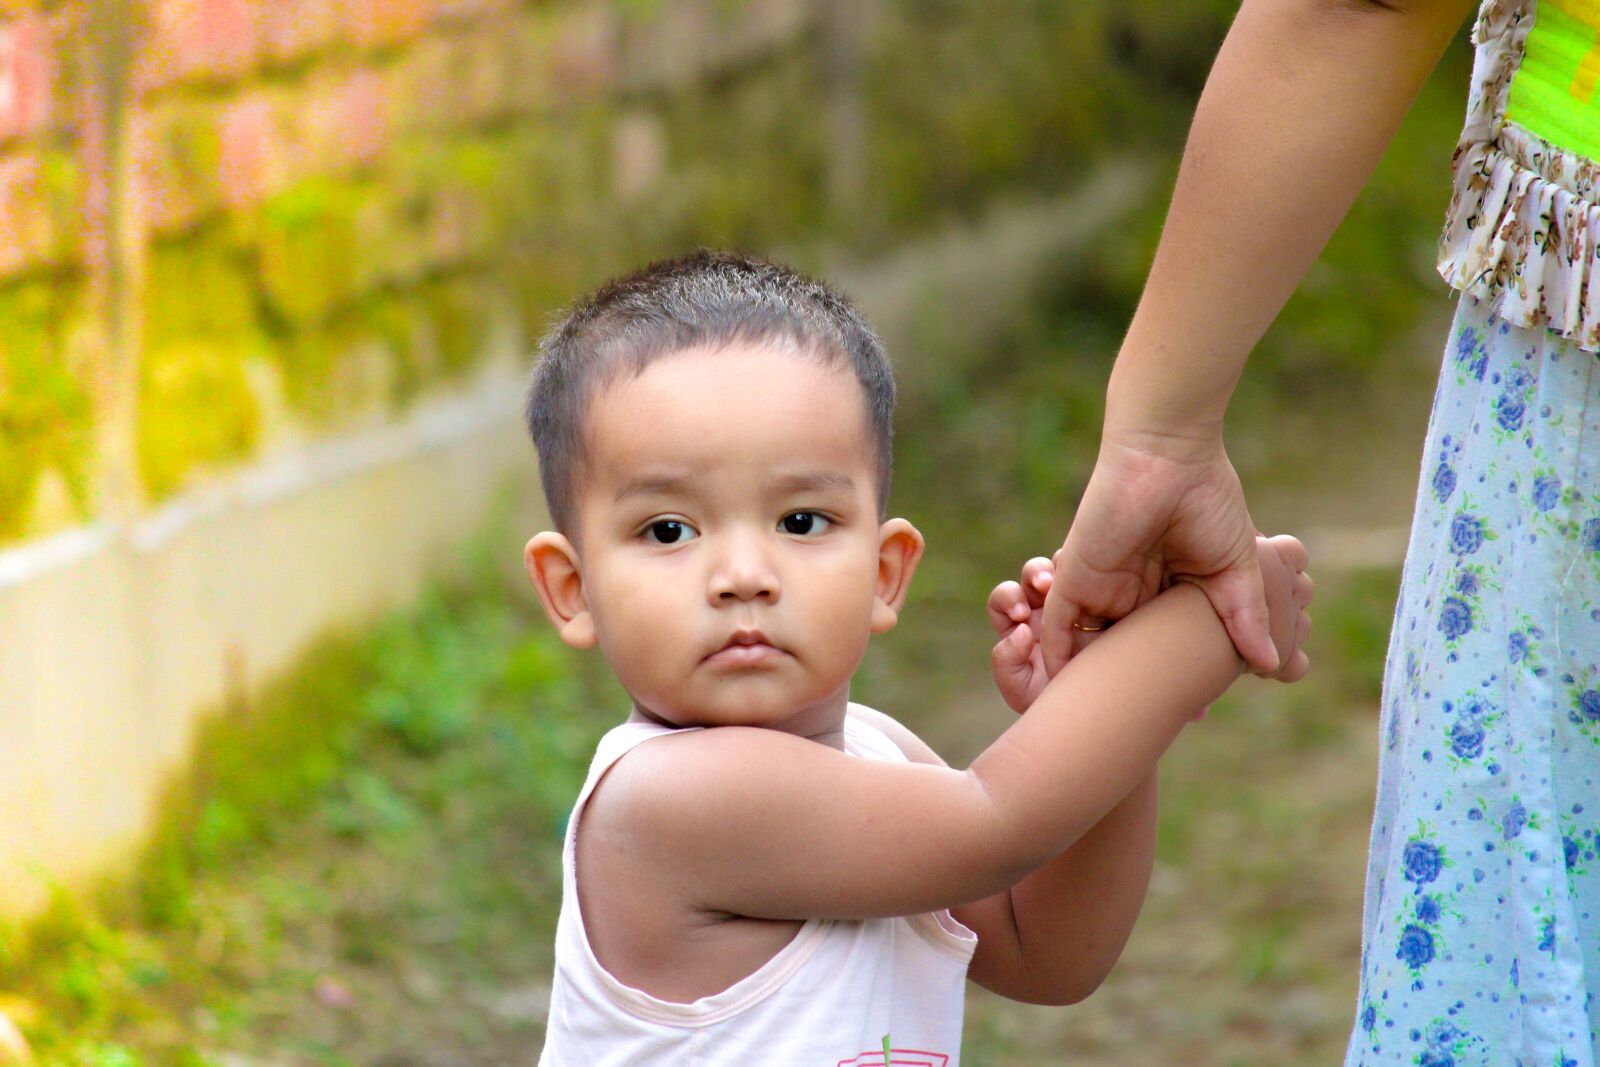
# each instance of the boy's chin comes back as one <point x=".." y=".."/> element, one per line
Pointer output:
<point x="754" y="704"/>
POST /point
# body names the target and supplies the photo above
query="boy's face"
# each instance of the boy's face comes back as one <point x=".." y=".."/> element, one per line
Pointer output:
<point x="727" y="555"/>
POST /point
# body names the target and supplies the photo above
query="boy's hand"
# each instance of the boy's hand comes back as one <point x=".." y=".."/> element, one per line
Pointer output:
<point x="1015" y="611"/>
<point x="1288" y="589"/>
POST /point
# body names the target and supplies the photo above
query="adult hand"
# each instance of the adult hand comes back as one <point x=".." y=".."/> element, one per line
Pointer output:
<point x="1156" y="507"/>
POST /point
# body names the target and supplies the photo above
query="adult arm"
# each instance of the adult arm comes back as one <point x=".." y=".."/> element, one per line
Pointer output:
<point x="1302" y="100"/>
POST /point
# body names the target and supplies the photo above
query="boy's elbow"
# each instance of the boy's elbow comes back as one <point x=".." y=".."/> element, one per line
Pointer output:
<point x="1073" y="980"/>
<point x="1077" y="987"/>
<point x="1086" y="983"/>
<point x="1061" y="992"/>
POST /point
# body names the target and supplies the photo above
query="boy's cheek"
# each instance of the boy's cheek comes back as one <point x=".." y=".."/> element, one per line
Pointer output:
<point x="637" y="653"/>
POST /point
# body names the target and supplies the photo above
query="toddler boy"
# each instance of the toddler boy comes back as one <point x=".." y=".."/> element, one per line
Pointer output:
<point x="780" y="876"/>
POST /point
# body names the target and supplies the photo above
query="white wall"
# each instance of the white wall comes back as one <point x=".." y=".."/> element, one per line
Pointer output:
<point x="115" y="642"/>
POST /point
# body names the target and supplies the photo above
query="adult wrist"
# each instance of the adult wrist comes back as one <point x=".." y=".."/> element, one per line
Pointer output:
<point x="1163" y="424"/>
<point x="1167" y="438"/>
<point x="1167" y="388"/>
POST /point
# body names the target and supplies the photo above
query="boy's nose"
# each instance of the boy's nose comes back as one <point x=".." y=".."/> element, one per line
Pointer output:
<point x="743" y="573"/>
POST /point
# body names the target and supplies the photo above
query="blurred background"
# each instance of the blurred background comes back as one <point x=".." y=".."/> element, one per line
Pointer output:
<point x="285" y="746"/>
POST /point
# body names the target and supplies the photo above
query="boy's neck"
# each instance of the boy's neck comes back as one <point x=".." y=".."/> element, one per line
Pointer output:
<point x="822" y="723"/>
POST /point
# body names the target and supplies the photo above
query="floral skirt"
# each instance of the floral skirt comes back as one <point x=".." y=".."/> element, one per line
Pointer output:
<point x="1481" y="938"/>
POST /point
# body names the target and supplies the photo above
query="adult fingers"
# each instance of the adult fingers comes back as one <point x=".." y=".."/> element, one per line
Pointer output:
<point x="1064" y="613"/>
<point x="1240" y="600"/>
<point x="1055" y="627"/>
<point x="1058" y="630"/>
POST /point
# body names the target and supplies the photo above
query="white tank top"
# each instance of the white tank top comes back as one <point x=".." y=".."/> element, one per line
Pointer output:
<point x="825" y="1000"/>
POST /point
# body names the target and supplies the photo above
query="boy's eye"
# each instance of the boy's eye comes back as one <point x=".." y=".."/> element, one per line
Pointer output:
<point x="801" y="523"/>
<point x="669" y="532"/>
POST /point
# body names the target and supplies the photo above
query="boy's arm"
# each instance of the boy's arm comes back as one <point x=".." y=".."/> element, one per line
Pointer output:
<point x="1067" y="955"/>
<point x="1054" y="936"/>
<point x="759" y="823"/>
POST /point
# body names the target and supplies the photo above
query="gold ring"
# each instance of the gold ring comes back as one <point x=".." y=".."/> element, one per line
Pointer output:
<point x="1090" y="629"/>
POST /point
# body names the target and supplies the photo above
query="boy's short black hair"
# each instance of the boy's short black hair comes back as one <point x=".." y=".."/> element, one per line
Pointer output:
<point x="703" y="299"/>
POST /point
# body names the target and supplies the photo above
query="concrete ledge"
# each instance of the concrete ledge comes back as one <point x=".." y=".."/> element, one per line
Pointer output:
<point x="115" y="640"/>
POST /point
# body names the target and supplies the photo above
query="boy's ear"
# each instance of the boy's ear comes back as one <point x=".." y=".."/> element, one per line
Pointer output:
<point x="899" y="552"/>
<point x="552" y="565"/>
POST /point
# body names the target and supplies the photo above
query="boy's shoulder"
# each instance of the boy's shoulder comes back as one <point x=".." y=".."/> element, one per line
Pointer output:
<point x="679" y="768"/>
<point x="705" y="762"/>
<point x="915" y="749"/>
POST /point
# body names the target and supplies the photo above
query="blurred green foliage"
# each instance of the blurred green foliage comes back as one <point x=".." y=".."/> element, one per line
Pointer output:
<point x="196" y="405"/>
<point x="44" y="401"/>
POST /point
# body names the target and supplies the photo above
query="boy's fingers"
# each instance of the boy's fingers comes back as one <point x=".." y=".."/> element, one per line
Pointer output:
<point x="1013" y="649"/>
<point x="1037" y="577"/>
<point x="1299" y="666"/>
<point x="1013" y="670"/>
<point x="1290" y="550"/>
<point x="1003" y="594"/>
<point x="1003" y="604"/>
<point x="1304" y="588"/>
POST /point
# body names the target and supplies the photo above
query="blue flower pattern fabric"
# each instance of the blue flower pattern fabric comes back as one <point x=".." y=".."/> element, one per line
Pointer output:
<point x="1481" y="939"/>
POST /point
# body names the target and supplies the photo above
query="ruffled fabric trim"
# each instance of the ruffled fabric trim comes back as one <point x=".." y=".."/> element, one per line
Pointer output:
<point x="1524" y="245"/>
<point x="1495" y="17"/>
<point x="1523" y="231"/>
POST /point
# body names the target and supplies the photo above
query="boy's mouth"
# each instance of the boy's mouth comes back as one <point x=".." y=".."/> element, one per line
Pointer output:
<point x="746" y="648"/>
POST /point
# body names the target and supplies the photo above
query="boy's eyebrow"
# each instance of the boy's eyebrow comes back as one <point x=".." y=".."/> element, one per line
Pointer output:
<point x="653" y="485"/>
<point x="811" y="481"/>
<point x="669" y="484"/>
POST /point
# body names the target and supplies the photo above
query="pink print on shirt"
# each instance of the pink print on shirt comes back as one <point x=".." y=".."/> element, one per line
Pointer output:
<point x="899" y="1057"/>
